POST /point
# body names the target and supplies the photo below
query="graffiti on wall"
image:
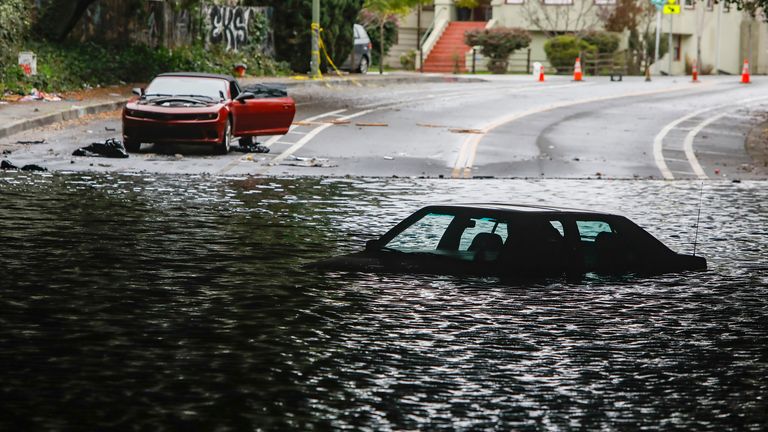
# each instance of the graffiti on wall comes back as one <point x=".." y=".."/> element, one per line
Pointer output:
<point x="237" y="26"/>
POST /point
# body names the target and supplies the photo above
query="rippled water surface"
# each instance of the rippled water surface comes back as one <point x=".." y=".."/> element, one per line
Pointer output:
<point x="157" y="303"/>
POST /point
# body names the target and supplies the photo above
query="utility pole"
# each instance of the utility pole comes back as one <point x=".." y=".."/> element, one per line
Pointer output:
<point x="656" y="64"/>
<point x="717" y="38"/>
<point x="670" y="48"/>
<point x="314" y="62"/>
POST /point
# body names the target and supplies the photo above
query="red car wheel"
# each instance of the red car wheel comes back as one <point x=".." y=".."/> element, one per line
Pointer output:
<point x="223" y="146"/>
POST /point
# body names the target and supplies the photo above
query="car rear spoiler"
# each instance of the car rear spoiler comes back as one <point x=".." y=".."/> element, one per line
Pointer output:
<point x="267" y="90"/>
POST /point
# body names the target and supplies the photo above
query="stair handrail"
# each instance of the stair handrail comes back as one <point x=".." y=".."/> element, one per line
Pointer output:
<point x="432" y="35"/>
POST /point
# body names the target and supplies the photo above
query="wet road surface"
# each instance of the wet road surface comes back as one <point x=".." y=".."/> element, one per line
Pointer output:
<point x="155" y="302"/>
<point x="508" y="127"/>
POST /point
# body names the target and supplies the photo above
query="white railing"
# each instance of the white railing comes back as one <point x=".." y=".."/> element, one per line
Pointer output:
<point x="432" y="35"/>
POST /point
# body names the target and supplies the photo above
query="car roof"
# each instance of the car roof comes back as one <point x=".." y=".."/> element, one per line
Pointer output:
<point x="197" y="75"/>
<point x="516" y="208"/>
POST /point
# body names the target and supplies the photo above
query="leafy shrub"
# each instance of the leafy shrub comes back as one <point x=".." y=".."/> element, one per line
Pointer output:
<point x="14" y="22"/>
<point x="72" y="66"/>
<point x="408" y="60"/>
<point x="497" y="44"/>
<point x="606" y="42"/>
<point x="562" y="51"/>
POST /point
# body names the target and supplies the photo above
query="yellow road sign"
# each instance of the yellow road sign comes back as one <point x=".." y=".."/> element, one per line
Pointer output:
<point x="670" y="9"/>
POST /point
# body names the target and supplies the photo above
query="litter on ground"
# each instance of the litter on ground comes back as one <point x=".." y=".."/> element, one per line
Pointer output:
<point x="110" y="148"/>
<point x="309" y="162"/>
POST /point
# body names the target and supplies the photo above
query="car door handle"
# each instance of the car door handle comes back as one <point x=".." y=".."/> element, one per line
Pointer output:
<point x="286" y="106"/>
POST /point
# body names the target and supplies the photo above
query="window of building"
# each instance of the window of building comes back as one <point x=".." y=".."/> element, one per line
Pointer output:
<point x="514" y="1"/>
<point x="710" y="5"/>
<point x="690" y="4"/>
<point x="558" y="2"/>
<point x="678" y="42"/>
<point x="726" y="7"/>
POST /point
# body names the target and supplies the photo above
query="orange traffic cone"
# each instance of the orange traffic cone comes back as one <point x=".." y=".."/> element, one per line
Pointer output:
<point x="695" y="72"/>
<point x="541" y="74"/>
<point x="745" y="73"/>
<point x="577" y="70"/>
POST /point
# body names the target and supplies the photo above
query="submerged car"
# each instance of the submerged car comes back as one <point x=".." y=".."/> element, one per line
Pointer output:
<point x="210" y="109"/>
<point x="508" y="240"/>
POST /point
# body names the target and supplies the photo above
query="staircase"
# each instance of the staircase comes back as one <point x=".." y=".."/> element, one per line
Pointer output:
<point x="442" y="58"/>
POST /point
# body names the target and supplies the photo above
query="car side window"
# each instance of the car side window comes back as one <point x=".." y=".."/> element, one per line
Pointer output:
<point x="422" y="235"/>
<point x="482" y="225"/>
<point x="589" y="230"/>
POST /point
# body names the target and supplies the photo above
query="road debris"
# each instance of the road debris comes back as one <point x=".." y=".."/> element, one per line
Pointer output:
<point x="35" y="95"/>
<point x="340" y="122"/>
<point x="466" y="131"/>
<point x="110" y="148"/>
<point x="7" y="165"/>
<point x="252" y="147"/>
<point x="40" y="141"/>
<point x="371" y="124"/>
<point x="427" y="125"/>
<point x="309" y="162"/>
<point x="109" y="129"/>
<point x="389" y="158"/>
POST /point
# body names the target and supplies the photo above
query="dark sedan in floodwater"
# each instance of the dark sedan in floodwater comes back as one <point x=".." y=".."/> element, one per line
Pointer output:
<point x="515" y="241"/>
<point x="197" y="108"/>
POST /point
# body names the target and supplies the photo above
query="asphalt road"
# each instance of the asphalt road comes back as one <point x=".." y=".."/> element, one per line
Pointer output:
<point x="509" y="126"/>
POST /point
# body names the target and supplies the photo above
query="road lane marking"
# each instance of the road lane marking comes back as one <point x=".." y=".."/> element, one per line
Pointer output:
<point x="275" y="138"/>
<point x="463" y="164"/>
<point x="308" y="137"/>
<point x="658" y="141"/>
<point x="688" y="146"/>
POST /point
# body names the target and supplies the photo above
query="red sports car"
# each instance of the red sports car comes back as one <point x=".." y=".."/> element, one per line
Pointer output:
<point x="196" y="108"/>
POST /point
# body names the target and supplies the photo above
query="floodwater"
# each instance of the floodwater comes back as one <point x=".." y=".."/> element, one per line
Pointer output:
<point x="143" y="302"/>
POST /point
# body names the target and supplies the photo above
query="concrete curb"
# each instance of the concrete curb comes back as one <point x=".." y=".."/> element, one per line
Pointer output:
<point x="367" y="81"/>
<point x="67" y="114"/>
<point x="100" y="107"/>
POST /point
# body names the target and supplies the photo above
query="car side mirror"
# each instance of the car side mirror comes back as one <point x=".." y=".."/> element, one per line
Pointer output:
<point x="244" y="96"/>
<point x="372" y="245"/>
<point x="138" y="91"/>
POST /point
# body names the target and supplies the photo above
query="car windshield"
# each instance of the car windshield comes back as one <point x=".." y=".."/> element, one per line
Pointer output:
<point x="210" y="88"/>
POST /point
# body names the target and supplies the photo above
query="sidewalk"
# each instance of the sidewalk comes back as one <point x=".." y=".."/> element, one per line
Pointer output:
<point x="17" y="117"/>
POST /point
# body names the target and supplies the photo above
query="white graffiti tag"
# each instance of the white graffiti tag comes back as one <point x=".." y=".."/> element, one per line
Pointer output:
<point x="229" y="25"/>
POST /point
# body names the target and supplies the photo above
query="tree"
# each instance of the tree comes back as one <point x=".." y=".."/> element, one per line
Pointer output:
<point x="14" y="16"/>
<point x="637" y="17"/>
<point x="292" y="19"/>
<point x="382" y="10"/>
<point x="556" y="19"/>
<point x="57" y="18"/>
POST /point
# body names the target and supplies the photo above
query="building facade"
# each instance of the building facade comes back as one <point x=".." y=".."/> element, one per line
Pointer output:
<point x="724" y="36"/>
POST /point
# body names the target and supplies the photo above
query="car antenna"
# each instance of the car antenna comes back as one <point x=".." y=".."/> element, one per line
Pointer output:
<point x="698" y="215"/>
